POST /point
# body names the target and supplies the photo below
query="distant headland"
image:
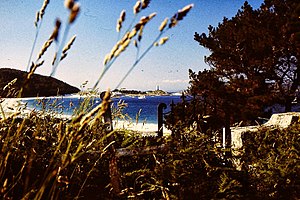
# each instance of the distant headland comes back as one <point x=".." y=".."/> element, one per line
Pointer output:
<point x="11" y="81"/>
<point x="125" y="92"/>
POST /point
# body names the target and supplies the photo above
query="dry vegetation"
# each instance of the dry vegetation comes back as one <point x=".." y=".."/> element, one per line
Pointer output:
<point x="47" y="157"/>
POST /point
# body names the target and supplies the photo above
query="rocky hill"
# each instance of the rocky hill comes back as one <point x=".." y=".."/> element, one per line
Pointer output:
<point x="38" y="85"/>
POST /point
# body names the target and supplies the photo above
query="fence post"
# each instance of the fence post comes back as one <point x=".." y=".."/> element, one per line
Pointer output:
<point x="160" y="118"/>
<point x="115" y="178"/>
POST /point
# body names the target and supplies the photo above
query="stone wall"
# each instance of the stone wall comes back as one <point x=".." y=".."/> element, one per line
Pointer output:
<point x="279" y="120"/>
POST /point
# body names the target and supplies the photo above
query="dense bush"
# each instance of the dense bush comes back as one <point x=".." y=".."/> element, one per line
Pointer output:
<point x="188" y="167"/>
<point x="271" y="160"/>
<point x="271" y="166"/>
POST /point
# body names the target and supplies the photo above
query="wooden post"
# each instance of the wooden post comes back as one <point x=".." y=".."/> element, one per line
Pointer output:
<point x="115" y="178"/>
<point x="160" y="118"/>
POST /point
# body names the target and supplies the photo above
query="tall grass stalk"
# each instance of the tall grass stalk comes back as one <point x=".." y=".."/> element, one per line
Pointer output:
<point x="41" y="153"/>
<point x="139" y="58"/>
<point x="60" y="49"/>
<point x="74" y="9"/>
<point x="34" y="44"/>
<point x="38" y="24"/>
<point x="138" y="29"/>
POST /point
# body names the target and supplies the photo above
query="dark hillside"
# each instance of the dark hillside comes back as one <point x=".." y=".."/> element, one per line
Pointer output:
<point x="38" y="85"/>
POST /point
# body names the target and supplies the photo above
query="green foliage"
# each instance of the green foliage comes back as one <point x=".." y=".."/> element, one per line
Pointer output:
<point x="229" y="187"/>
<point x="255" y="55"/>
<point x="271" y="159"/>
<point x="179" y="171"/>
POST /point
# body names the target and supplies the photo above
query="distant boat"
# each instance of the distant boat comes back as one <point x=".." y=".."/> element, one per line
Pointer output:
<point x="176" y="94"/>
<point x="142" y="97"/>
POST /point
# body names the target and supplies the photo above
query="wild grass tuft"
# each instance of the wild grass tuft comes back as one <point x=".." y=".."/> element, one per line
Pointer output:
<point x="46" y="156"/>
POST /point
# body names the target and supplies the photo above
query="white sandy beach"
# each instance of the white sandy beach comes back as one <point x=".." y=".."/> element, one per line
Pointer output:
<point x="144" y="128"/>
<point x="13" y="105"/>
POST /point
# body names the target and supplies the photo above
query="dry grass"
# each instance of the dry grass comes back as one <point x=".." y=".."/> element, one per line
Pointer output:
<point x="47" y="157"/>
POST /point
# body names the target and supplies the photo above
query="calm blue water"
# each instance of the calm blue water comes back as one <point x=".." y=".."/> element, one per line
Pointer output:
<point x="67" y="105"/>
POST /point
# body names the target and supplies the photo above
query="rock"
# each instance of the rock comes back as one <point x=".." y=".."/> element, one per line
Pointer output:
<point x="279" y="120"/>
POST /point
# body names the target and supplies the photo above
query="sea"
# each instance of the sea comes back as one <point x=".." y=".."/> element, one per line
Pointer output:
<point x="145" y="107"/>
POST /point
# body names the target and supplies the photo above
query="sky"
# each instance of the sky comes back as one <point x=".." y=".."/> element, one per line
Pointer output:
<point x="95" y="29"/>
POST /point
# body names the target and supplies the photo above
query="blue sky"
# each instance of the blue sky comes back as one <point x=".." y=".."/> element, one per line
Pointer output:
<point x="166" y="66"/>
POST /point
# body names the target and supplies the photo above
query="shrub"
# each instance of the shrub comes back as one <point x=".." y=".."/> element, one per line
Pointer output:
<point x="272" y="162"/>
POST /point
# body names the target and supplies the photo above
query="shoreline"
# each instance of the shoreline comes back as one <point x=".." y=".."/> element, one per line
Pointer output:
<point x="10" y="106"/>
<point x="144" y="128"/>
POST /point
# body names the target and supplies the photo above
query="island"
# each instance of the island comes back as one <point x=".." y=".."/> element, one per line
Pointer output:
<point x="12" y="80"/>
<point x="126" y="92"/>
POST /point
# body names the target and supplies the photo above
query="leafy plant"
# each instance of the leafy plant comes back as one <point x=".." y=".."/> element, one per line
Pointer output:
<point x="271" y="159"/>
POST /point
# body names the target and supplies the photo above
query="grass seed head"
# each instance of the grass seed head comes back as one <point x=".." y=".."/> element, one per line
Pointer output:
<point x="37" y="18"/>
<point x="184" y="11"/>
<point x="106" y="59"/>
<point x="135" y="43"/>
<point x="44" y="48"/>
<point x="54" y="59"/>
<point x="55" y="32"/>
<point x="121" y="20"/>
<point x="152" y="15"/>
<point x="40" y="63"/>
<point x="137" y="7"/>
<point x="163" y="40"/>
<point x="114" y="49"/>
<point x="145" y="3"/>
<point x="144" y="20"/>
<point x="180" y="15"/>
<point x="63" y="56"/>
<point x="8" y="85"/>
<point x="163" y="24"/>
<point x="123" y="15"/>
<point x="119" y="26"/>
<point x="68" y="46"/>
<point x="122" y="48"/>
<point x="74" y="12"/>
<point x="132" y="33"/>
<point x="125" y="37"/>
<point x="42" y="11"/>
<point x="69" y="4"/>
<point x="117" y="53"/>
<point x="125" y="44"/>
<point x="140" y="33"/>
